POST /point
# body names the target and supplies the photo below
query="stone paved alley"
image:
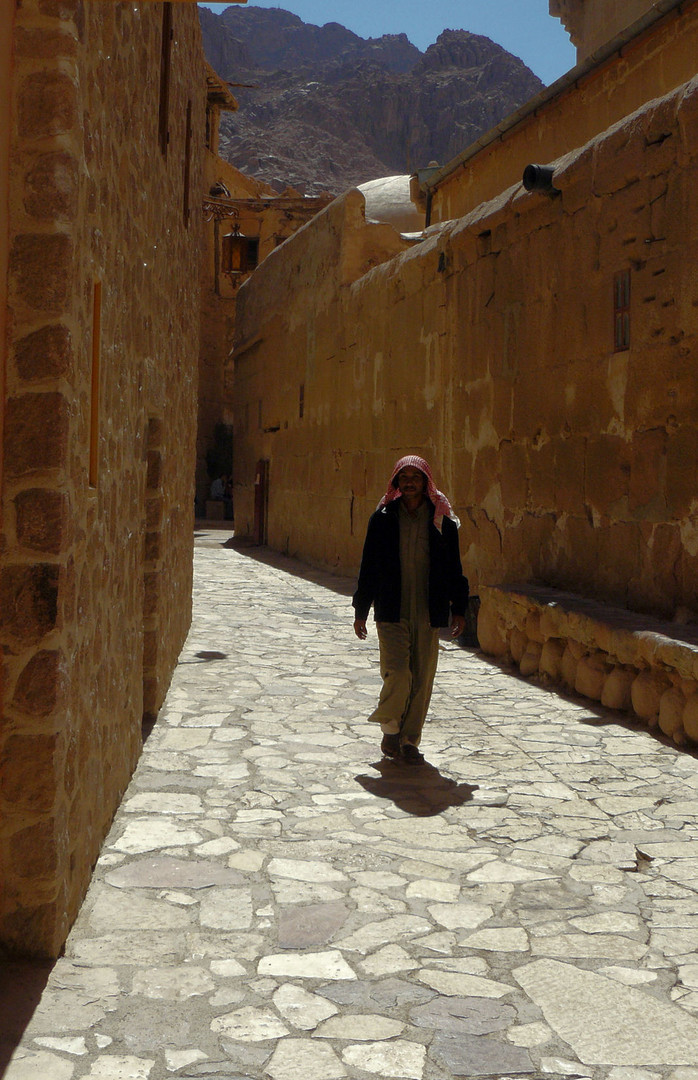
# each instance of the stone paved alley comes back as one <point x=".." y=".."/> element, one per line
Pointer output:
<point x="274" y="900"/>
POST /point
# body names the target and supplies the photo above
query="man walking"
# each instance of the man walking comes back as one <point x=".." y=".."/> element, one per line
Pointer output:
<point x="411" y="572"/>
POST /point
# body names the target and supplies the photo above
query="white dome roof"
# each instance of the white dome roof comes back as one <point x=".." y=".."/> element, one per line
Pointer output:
<point x="388" y="201"/>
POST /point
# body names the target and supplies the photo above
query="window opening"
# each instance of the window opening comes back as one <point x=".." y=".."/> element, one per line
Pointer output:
<point x="186" y="207"/>
<point x="621" y="310"/>
<point x="165" y="66"/>
<point x="93" y="469"/>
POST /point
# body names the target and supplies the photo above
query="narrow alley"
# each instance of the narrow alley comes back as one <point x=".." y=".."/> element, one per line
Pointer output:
<point x="276" y="901"/>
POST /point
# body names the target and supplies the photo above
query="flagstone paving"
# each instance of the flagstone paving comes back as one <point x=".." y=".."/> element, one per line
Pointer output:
<point x="276" y="901"/>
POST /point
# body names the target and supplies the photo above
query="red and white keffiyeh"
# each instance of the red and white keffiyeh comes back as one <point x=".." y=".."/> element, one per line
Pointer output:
<point x="442" y="507"/>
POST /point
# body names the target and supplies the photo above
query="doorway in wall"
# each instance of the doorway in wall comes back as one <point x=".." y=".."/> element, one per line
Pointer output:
<point x="261" y="502"/>
<point x="152" y="573"/>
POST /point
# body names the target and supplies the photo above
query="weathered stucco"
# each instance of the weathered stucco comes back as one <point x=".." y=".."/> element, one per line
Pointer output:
<point x="95" y="559"/>
<point x="489" y="348"/>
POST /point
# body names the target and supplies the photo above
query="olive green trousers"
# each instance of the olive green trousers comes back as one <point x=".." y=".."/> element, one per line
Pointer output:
<point x="409" y="653"/>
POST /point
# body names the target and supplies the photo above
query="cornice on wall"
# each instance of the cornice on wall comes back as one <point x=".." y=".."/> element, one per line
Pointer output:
<point x="571" y="15"/>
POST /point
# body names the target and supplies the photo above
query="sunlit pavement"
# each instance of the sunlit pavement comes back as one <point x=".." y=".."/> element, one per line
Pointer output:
<point x="275" y="900"/>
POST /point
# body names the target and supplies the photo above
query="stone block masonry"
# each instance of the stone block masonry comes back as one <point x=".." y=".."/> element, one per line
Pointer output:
<point x="103" y="296"/>
<point x="490" y="348"/>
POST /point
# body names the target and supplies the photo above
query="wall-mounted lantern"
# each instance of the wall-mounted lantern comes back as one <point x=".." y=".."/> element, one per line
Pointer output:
<point x="239" y="253"/>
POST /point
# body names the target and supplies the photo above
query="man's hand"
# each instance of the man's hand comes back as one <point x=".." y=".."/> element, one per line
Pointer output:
<point x="457" y="625"/>
<point x="360" y="629"/>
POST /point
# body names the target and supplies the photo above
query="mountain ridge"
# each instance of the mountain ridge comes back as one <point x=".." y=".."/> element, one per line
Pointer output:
<point x="328" y="109"/>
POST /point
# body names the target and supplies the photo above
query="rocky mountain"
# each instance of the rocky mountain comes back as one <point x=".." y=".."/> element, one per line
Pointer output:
<point x="325" y="109"/>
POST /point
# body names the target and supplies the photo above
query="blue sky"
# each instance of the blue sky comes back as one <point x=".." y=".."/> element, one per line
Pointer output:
<point x="524" y="27"/>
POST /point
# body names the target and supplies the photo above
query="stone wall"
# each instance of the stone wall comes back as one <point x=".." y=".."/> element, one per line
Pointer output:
<point x="592" y="23"/>
<point x="295" y="350"/>
<point x="490" y="349"/>
<point x="103" y="293"/>
<point x="652" y="65"/>
<point x="7" y="16"/>
<point x="260" y="213"/>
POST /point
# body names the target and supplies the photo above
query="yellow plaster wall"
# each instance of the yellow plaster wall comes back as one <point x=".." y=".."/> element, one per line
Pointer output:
<point x="651" y="66"/>
<point x="489" y="349"/>
<point x="293" y="332"/>
<point x="95" y="571"/>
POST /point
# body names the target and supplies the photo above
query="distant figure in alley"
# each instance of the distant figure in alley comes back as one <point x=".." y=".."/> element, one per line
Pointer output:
<point x="412" y="575"/>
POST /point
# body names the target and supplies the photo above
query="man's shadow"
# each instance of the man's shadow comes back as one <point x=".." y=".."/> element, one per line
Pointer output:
<point x="417" y="789"/>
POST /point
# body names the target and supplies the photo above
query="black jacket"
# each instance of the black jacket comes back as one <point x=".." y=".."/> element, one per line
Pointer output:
<point x="379" y="577"/>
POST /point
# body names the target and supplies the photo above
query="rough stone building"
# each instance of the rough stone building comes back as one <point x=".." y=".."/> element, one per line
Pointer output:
<point x="538" y="346"/>
<point x="101" y="169"/>
<point x="245" y="220"/>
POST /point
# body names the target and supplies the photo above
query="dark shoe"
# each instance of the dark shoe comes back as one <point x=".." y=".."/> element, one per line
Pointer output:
<point x="411" y="755"/>
<point x="390" y="745"/>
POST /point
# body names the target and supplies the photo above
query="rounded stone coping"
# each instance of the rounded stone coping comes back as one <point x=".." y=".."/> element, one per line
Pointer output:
<point x="628" y="637"/>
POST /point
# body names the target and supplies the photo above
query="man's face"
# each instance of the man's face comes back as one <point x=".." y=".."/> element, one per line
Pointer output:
<point x="411" y="482"/>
